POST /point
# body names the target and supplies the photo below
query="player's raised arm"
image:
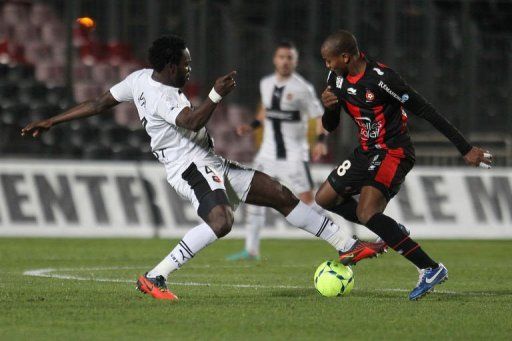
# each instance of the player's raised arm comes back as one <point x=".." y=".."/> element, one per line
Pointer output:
<point x="84" y="109"/>
<point x="195" y="119"/>
<point x="400" y="91"/>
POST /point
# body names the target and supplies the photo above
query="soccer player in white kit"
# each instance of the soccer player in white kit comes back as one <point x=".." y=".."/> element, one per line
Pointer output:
<point x="287" y="104"/>
<point x="215" y="186"/>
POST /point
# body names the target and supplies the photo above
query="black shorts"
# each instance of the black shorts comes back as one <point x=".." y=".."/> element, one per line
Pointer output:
<point x="382" y="169"/>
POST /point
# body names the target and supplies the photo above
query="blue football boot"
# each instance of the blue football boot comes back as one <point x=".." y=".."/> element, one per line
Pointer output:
<point x="429" y="278"/>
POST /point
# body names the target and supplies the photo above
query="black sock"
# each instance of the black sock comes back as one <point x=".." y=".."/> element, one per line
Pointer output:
<point x="397" y="238"/>
<point x="347" y="210"/>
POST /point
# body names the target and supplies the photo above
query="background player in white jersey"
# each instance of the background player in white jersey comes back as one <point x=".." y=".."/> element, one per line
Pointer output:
<point x="214" y="186"/>
<point x="287" y="104"/>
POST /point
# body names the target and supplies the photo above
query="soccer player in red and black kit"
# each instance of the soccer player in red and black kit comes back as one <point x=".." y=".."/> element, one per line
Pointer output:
<point x="378" y="101"/>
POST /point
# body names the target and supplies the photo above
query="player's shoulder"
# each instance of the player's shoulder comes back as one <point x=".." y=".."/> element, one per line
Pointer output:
<point x="268" y="79"/>
<point x="137" y="77"/>
<point x="301" y="82"/>
<point x="381" y="71"/>
<point x="139" y="73"/>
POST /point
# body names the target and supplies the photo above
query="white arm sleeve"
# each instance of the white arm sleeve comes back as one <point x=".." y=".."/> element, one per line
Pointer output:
<point x="122" y="91"/>
<point x="170" y="109"/>
<point x="312" y="104"/>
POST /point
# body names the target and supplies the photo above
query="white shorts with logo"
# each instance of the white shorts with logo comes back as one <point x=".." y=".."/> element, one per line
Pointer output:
<point x="294" y="174"/>
<point x="219" y="173"/>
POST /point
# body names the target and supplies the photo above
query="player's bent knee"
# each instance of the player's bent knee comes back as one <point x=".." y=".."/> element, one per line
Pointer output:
<point x="286" y="200"/>
<point x="325" y="197"/>
<point x="211" y="200"/>
<point x="221" y="219"/>
<point x="321" y="200"/>
<point x="364" y="214"/>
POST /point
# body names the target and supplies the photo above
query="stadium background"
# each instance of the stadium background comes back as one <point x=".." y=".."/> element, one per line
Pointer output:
<point x="456" y="53"/>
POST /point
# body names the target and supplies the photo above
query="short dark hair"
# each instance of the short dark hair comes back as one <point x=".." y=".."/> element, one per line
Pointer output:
<point x="164" y="50"/>
<point x="287" y="44"/>
<point x="342" y="41"/>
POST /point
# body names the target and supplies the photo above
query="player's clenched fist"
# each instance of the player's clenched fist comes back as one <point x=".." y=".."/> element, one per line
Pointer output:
<point x="36" y="128"/>
<point x="224" y="85"/>
<point x="329" y="99"/>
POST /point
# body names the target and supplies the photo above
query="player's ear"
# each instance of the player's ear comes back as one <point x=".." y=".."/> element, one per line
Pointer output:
<point x="345" y="57"/>
<point x="173" y="68"/>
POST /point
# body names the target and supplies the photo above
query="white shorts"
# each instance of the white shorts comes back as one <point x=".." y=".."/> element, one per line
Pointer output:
<point x="192" y="180"/>
<point x="294" y="174"/>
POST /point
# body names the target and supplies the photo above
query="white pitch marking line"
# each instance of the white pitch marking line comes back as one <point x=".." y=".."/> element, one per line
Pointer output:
<point x="48" y="273"/>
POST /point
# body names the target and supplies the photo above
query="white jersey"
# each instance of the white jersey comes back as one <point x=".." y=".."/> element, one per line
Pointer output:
<point x="289" y="106"/>
<point x="158" y="106"/>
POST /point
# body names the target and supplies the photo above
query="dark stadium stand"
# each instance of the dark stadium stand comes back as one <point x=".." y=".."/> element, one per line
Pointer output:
<point x="469" y="83"/>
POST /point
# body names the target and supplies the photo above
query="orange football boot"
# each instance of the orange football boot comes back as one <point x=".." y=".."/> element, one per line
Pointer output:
<point x="361" y="250"/>
<point x="155" y="287"/>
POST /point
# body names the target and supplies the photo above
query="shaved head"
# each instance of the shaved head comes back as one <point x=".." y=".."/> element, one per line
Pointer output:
<point x="341" y="42"/>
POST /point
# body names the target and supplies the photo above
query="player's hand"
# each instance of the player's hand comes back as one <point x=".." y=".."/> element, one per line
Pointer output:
<point x="319" y="151"/>
<point x="244" y="129"/>
<point x="225" y="84"/>
<point x="36" y="128"/>
<point x="329" y="99"/>
<point x="478" y="157"/>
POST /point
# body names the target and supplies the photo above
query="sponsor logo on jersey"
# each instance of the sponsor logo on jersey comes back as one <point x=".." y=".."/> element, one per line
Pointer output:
<point x="352" y="91"/>
<point x="386" y="88"/>
<point x="369" y="96"/>
<point x="367" y="128"/>
<point x="339" y="82"/>
<point x="379" y="71"/>
<point x="283" y="115"/>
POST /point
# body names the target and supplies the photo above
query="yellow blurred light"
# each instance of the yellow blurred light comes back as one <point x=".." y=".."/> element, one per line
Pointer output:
<point x="86" y="22"/>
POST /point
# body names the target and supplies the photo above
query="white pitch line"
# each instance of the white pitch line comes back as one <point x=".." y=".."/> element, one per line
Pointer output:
<point x="49" y="273"/>
<point x="206" y="266"/>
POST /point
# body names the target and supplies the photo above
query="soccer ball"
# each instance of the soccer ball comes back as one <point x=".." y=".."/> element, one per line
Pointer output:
<point x="333" y="279"/>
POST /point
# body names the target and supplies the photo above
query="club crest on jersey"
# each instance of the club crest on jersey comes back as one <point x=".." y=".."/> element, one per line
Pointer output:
<point x="339" y="82"/>
<point x="289" y="97"/>
<point x="369" y="96"/>
<point x="352" y="91"/>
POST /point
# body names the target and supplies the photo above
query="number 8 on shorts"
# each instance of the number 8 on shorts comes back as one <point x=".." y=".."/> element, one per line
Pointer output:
<point x="342" y="169"/>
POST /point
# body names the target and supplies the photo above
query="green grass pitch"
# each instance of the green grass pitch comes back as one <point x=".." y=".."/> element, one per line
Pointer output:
<point x="95" y="296"/>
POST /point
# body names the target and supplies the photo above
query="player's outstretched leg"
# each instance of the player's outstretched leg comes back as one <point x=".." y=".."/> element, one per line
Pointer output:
<point x="266" y="191"/>
<point x="255" y="221"/>
<point x="219" y="221"/>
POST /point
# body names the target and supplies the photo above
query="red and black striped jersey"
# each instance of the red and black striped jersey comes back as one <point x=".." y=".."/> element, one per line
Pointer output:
<point x="378" y="101"/>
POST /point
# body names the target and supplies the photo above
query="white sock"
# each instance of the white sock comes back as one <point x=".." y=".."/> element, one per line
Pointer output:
<point x="318" y="209"/>
<point x="255" y="221"/>
<point x="194" y="241"/>
<point x="306" y="218"/>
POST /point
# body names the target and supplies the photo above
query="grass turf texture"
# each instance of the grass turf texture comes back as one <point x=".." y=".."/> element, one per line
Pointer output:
<point x="474" y="304"/>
